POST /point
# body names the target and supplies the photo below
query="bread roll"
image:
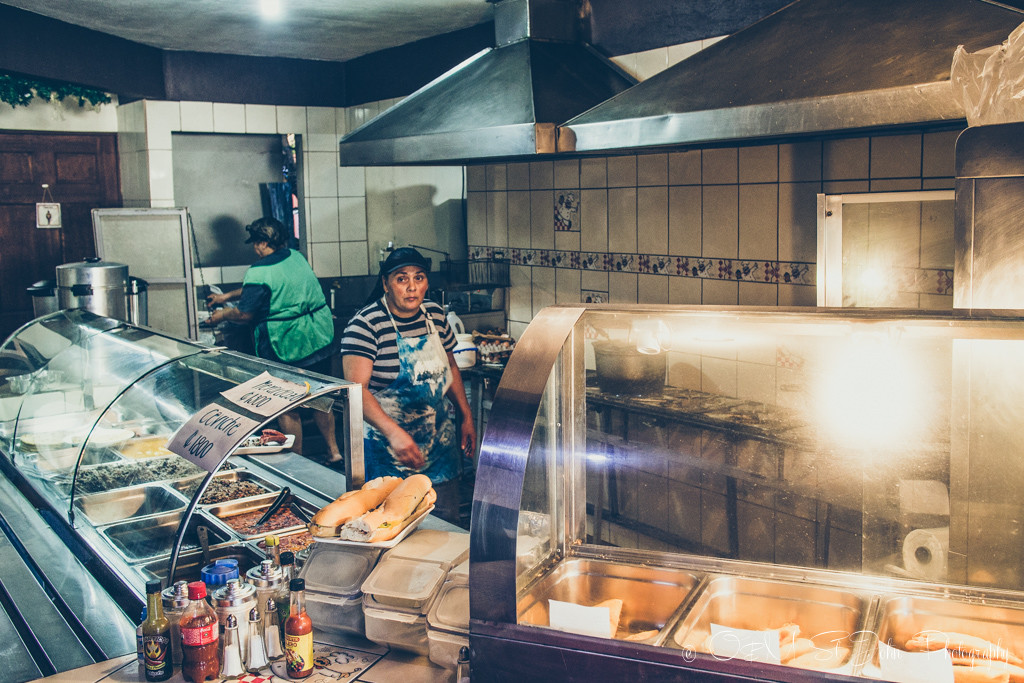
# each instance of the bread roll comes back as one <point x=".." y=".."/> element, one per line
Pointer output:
<point x="329" y="520"/>
<point x="979" y="674"/>
<point x="386" y="522"/>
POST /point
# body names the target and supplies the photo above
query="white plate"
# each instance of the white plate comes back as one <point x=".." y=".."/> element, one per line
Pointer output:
<point x="289" y="441"/>
<point x="382" y="544"/>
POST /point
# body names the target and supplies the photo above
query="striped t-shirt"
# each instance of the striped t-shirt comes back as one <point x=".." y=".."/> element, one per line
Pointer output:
<point x="370" y="334"/>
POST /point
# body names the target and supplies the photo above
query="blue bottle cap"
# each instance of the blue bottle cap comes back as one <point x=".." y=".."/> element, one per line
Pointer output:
<point x="219" y="572"/>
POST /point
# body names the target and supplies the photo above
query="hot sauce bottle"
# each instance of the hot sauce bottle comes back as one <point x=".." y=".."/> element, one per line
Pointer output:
<point x="156" y="636"/>
<point x="298" y="633"/>
<point x="200" y="633"/>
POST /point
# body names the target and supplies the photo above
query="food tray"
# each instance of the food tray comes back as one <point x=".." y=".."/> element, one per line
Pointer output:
<point x="190" y="564"/>
<point x="131" y="503"/>
<point x="291" y="542"/>
<point x="409" y="527"/>
<point x="650" y="595"/>
<point x="62" y="460"/>
<point x="152" y="537"/>
<point x="830" y="617"/>
<point x="125" y="473"/>
<point x="252" y="505"/>
<point x="900" y="618"/>
<point x="235" y="475"/>
<point x="289" y="441"/>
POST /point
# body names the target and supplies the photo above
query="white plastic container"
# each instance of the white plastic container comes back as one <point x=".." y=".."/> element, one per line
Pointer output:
<point x="333" y="575"/>
<point x="397" y="628"/>
<point x="448" y="623"/>
<point x="403" y="583"/>
<point x="445" y="548"/>
<point x="464" y="351"/>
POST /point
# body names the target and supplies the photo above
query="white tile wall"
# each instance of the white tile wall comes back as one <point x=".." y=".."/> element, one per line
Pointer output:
<point x="228" y="117"/>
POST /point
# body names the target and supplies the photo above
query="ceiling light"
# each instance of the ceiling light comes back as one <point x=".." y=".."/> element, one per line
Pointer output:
<point x="270" y="9"/>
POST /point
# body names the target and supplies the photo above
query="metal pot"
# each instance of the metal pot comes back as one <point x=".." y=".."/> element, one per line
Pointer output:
<point x="621" y="369"/>
<point x="95" y="285"/>
<point x="44" y="297"/>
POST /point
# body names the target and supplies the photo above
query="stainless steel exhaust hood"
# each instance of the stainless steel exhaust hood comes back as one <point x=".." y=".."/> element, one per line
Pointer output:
<point x="503" y="102"/>
<point x="814" y="66"/>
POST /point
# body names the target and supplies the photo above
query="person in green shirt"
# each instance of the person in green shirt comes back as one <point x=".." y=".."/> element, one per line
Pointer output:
<point x="282" y="298"/>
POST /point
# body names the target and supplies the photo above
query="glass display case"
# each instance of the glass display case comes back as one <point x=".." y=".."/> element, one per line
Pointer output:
<point x="87" y="406"/>
<point x="773" y="494"/>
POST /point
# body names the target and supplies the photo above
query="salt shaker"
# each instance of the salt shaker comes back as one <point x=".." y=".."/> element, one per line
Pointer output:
<point x="256" y="659"/>
<point x="231" y="661"/>
<point x="272" y="632"/>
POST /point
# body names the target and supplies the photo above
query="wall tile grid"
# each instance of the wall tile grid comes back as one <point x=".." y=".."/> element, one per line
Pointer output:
<point x="334" y="198"/>
<point x="721" y="226"/>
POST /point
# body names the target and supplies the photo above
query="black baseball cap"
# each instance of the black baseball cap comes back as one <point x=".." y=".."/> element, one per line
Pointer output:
<point x="267" y="230"/>
<point x="402" y="257"/>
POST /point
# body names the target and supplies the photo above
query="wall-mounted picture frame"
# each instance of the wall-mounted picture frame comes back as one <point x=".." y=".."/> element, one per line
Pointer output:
<point x="48" y="215"/>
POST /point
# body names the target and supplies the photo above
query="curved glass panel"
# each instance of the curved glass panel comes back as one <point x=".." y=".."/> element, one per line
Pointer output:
<point x="137" y="495"/>
<point x="61" y="406"/>
<point x="25" y="355"/>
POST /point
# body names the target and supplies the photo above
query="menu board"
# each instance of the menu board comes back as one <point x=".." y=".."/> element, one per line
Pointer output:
<point x="266" y="394"/>
<point x="210" y="435"/>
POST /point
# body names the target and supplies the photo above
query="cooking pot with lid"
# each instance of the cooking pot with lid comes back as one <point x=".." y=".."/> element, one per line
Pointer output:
<point x="623" y="370"/>
<point x="95" y="285"/>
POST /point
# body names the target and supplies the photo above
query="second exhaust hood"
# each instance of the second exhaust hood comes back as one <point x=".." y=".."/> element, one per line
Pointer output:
<point x="503" y="102"/>
<point x="815" y="66"/>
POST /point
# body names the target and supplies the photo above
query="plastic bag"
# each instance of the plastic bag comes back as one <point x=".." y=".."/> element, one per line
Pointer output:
<point x="989" y="83"/>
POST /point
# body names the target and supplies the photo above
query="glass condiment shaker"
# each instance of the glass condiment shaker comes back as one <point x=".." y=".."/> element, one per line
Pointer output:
<point x="272" y="635"/>
<point x="236" y="598"/>
<point x="231" y="659"/>
<point x="256" y="658"/>
<point x="268" y="580"/>
<point x="175" y="599"/>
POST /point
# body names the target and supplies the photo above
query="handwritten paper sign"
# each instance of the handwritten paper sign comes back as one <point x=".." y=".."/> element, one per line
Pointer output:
<point x="587" y="621"/>
<point x="739" y="643"/>
<point x="209" y="435"/>
<point x="266" y="394"/>
<point x="915" y="667"/>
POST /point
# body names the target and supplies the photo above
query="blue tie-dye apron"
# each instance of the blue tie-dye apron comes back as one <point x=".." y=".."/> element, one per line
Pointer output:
<point x="416" y="401"/>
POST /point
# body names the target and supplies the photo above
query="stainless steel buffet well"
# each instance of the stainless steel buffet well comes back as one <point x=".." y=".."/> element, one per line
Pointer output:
<point x="853" y="472"/>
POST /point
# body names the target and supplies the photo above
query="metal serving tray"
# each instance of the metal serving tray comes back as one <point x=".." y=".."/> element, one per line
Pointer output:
<point x="832" y="618"/>
<point x="64" y="459"/>
<point x="124" y="504"/>
<point x="649" y="595"/>
<point x="245" y="505"/>
<point x="270" y="489"/>
<point x="131" y="473"/>
<point x="189" y="564"/>
<point x="152" y="537"/>
<point x="900" y="618"/>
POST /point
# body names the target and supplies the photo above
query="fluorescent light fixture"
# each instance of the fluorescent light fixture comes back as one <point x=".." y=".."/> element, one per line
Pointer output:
<point x="270" y="9"/>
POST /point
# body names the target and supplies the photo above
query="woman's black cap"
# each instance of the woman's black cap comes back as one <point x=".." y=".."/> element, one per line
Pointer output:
<point x="402" y="257"/>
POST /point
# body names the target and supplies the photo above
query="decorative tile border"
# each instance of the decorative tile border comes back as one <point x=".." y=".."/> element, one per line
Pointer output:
<point x="770" y="272"/>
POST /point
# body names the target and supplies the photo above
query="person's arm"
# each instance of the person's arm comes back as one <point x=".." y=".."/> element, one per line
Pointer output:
<point x="359" y="369"/>
<point x="216" y="299"/>
<point x="457" y="394"/>
<point x="229" y="313"/>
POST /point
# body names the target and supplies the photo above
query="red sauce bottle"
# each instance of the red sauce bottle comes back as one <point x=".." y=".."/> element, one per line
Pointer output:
<point x="298" y="633"/>
<point x="199" y="633"/>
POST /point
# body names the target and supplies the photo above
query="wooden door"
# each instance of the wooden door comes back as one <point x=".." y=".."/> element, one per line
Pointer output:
<point x="82" y="172"/>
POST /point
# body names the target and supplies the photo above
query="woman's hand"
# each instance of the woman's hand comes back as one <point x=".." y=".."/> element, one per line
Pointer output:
<point x="468" y="433"/>
<point x="406" y="450"/>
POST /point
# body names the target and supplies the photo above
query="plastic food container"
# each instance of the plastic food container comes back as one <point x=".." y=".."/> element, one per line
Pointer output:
<point x="333" y="576"/>
<point x="411" y="573"/>
<point x="448" y="623"/>
<point x="444" y="548"/>
<point x="400" y="629"/>
<point x="408" y="584"/>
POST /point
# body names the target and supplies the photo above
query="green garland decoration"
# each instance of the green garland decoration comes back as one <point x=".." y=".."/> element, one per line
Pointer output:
<point x="18" y="91"/>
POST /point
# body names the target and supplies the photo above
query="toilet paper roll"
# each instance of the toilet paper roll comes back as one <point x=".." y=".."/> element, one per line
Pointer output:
<point x="926" y="553"/>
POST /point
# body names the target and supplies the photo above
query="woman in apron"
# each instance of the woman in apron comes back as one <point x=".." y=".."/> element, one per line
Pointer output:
<point x="399" y="347"/>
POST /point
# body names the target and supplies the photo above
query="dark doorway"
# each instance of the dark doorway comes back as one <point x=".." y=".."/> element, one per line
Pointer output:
<point x="82" y="173"/>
